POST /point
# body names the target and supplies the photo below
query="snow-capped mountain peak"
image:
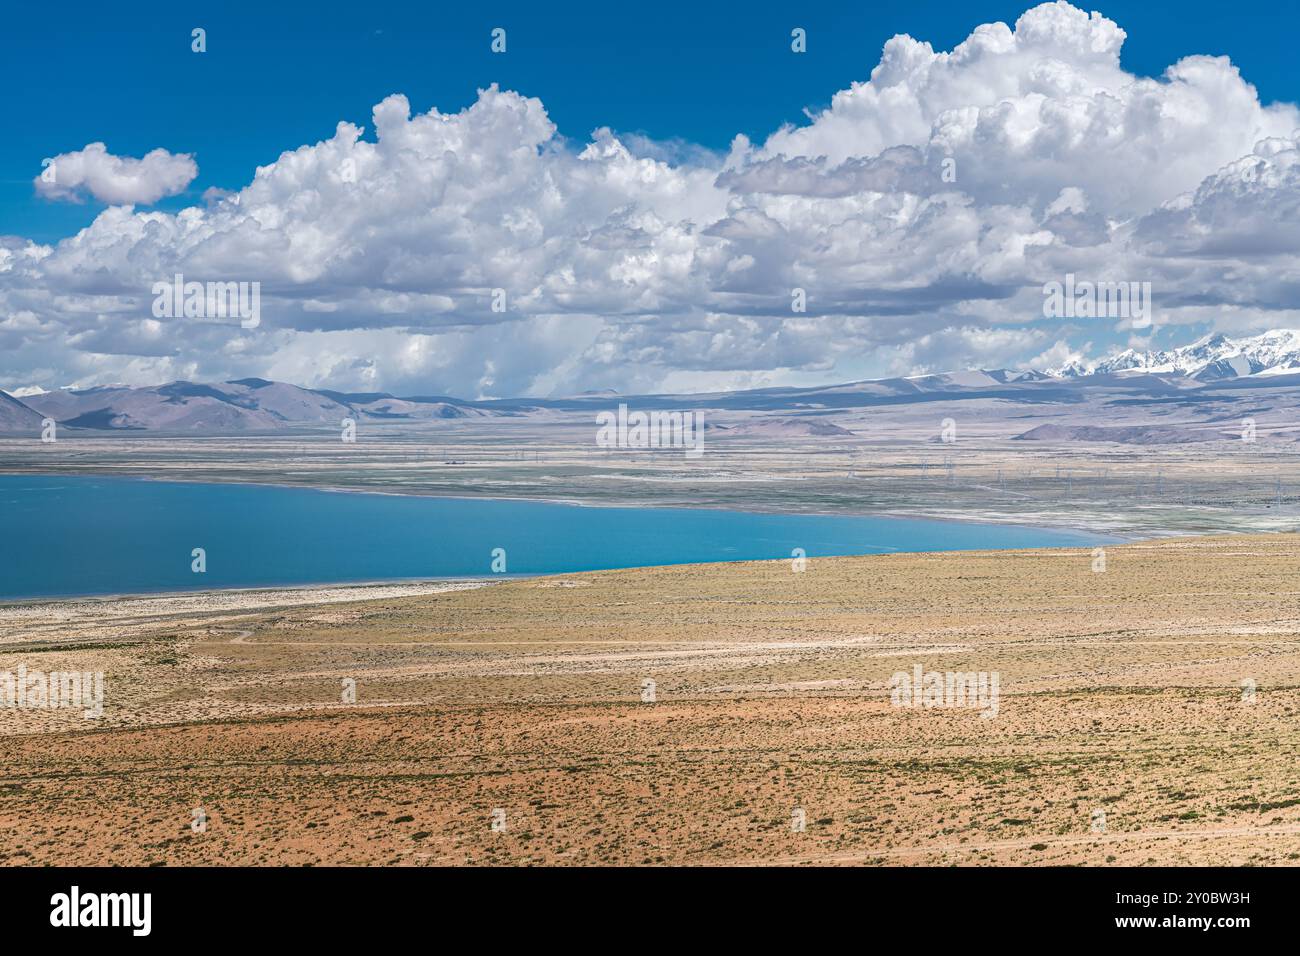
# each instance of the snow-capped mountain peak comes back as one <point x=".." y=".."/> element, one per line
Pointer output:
<point x="1210" y="358"/>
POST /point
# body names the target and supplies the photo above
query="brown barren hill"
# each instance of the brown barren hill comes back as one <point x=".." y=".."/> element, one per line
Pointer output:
<point x="730" y="713"/>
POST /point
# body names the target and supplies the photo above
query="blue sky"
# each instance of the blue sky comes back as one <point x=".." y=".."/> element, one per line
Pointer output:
<point x="277" y="76"/>
<point x="1122" y="145"/>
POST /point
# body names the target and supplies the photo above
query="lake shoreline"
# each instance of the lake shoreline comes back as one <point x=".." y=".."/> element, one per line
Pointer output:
<point x="244" y="599"/>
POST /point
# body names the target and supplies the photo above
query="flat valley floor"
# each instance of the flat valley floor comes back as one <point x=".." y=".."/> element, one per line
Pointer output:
<point x="1148" y="714"/>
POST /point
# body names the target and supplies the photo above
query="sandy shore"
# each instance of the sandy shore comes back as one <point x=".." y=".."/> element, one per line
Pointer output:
<point x="70" y="619"/>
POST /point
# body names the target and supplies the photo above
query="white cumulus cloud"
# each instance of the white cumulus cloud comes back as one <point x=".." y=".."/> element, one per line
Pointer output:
<point x="480" y="252"/>
<point x="119" y="180"/>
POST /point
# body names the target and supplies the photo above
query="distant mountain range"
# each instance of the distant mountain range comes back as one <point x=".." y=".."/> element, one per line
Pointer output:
<point x="247" y="404"/>
<point x="1211" y="359"/>
<point x="16" y="417"/>
<point x="1112" y="399"/>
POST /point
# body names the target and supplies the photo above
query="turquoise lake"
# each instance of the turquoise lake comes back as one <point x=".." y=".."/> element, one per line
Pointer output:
<point x="67" y="536"/>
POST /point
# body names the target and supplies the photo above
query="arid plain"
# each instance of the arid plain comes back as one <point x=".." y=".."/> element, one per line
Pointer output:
<point x="1123" y="693"/>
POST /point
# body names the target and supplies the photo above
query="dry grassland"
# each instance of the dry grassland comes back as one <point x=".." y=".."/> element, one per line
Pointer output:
<point x="1121" y="692"/>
